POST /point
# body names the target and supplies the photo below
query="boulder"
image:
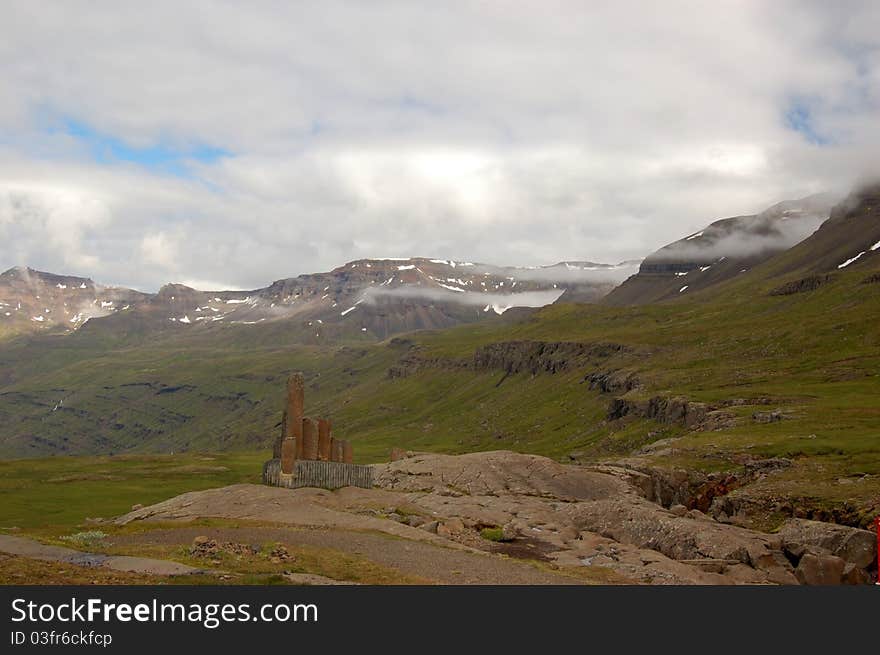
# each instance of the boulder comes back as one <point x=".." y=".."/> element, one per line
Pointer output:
<point x="818" y="569"/>
<point x="851" y="544"/>
<point x="509" y="532"/>
<point x="852" y="574"/>
<point x="450" y="527"/>
<point x="568" y="533"/>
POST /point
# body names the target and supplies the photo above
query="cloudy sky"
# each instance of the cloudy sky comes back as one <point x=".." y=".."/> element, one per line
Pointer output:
<point x="227" y="144"/>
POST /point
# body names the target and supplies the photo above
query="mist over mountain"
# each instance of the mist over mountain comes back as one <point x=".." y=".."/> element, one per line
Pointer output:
<point x="722" y="250"/>
<point x="368" y="298"/>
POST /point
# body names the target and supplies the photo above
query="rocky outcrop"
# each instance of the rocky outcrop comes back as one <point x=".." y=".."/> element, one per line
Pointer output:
<point x="855" y="546"/>
<point x="665" y="410"/>
<point x="768" y="417"/>
<point x="591" y="516"/>
<point x="810" y="283"/>
<point x="566" y="516"/>
<point x="541" y="356"/>
<point x="690" y="537"/>
<point x="663" y="486"/>
<point x="612" y="381"/>
<point x="496" y="473"/>
<point x="413" y="362"/>
<point x="747" y="501"/>
<point x="532" y="357"/>
<point x="668" y="486"/>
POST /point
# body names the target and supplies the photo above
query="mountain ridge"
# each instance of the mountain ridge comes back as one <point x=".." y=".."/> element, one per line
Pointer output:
<point x="389" y="296"/>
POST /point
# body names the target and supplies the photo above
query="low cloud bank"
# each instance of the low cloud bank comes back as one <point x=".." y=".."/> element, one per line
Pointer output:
<point x="739" y="244"/>
<point x="778" y="228"/>
<point x="569" y="273"/>
<point x="497" y="302"/>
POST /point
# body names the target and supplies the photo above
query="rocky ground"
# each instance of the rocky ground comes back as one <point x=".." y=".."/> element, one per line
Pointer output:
<point x="507" y="518"/>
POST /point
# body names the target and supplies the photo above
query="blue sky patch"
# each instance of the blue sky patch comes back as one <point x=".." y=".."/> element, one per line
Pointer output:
<point x="799" y="117"/>
<point x="161" y="157"/>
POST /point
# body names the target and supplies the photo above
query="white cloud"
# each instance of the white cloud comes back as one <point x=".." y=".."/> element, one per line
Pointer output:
<point x="496" y="133"/>
<point x="159" y="249"/>
<point x="54" y="218"/>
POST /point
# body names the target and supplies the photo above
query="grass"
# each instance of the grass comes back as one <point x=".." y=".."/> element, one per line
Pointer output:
<point x="492" y="534"/>
<point x="62" y="492"/>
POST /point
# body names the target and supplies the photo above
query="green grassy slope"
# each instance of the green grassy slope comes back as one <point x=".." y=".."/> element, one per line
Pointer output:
<point x="63" y="491"/>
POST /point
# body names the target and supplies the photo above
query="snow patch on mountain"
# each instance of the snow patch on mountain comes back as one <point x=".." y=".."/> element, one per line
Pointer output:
<point x="851" y="260"/>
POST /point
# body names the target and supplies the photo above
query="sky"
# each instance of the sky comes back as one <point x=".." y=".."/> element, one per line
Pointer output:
<point x="229" y="144"/>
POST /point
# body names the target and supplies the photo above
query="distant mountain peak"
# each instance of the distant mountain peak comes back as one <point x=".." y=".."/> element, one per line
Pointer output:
<point x="364" y="298"/>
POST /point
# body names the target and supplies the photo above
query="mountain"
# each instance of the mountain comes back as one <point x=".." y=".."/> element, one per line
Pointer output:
<point x="756" y="396"/>
<point x="848" y="241"/>
<point x="372" y="298"/>
<point x="721" y="251"/>
<point x="33" y="300"/>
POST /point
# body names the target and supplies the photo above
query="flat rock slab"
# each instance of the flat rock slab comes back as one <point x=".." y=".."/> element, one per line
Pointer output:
<point x="149" y="566"/>
<point x="25" y="547"/>
<point x="345" y="509"/>
<point x="313" y="579"/>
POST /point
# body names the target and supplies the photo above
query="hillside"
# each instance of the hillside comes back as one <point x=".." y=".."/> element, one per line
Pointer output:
<point x="721" y="251"/>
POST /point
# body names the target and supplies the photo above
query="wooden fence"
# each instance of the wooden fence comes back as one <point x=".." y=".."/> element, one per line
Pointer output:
<point x="313" y="473"/>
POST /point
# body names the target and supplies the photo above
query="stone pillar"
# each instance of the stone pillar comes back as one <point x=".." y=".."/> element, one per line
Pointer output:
<point x="294" y="409"/>
<point x="288" y="455"/>
<point x="276" y="447"/>
<point x="309" y="439"/>
<point x="336" y="454"/>
<point x="324" y="439"/>
<point x="347" y="452"/>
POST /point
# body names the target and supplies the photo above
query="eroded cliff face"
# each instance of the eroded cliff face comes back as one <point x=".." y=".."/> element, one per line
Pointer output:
<point x="541" y="356"/>
<point x="527" y="356"/>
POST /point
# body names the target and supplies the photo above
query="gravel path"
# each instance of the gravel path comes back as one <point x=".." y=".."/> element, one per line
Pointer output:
<point x="418" y="558"/>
